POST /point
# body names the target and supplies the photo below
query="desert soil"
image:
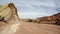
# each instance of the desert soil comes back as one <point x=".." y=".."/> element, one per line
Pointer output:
<point x="33" y="28"/>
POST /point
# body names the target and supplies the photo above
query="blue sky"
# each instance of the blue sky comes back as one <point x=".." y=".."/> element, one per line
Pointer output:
<point x="35" y="8"/>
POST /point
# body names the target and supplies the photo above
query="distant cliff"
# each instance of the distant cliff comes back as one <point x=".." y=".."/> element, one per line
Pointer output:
<point x="54" y="19"/>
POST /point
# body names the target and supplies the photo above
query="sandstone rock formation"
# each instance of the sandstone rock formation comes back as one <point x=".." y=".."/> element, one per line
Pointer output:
<point x="9" y="20"/>
<point x="7" y="11"/>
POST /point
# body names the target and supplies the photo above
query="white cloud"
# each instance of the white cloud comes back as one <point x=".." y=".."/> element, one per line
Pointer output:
<point x="34" y="8"/>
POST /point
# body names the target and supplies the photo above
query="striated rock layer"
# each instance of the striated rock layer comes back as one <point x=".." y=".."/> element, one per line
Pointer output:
<point x="54" y="19"/>
<point x="9" y="20"/>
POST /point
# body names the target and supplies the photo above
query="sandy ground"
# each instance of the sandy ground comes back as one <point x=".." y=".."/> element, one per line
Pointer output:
<point x="33" y="28"/>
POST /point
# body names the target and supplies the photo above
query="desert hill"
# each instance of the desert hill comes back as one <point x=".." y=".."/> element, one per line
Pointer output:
<point x="54" y="19"/>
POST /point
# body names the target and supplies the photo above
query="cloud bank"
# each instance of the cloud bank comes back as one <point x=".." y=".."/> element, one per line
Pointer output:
<point x="35" y="8"/>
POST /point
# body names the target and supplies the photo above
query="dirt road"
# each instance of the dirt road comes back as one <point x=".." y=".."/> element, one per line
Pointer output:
<point x="30" y="28"/>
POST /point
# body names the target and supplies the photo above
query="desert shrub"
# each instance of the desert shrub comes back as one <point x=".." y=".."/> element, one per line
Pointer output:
<point x="30" y="20"/>
<point x="38" y="21"/>
<point x="57" y="22"/>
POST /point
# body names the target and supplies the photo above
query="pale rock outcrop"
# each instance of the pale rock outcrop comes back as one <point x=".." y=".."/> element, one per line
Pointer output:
<point x="9" y="20"/>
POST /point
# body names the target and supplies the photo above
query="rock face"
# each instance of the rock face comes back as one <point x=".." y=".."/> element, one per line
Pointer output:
<point x="7" y="11"/>
<point x="54" y="19"/>
<point x="9" y="20"/>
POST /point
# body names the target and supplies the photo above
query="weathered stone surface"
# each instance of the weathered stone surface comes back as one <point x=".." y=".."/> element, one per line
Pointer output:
<point x="9" y="21"/>
<point x="7" y="11"/>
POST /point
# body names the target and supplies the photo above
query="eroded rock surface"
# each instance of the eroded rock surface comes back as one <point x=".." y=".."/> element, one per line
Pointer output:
<point x="9" y="21"/>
